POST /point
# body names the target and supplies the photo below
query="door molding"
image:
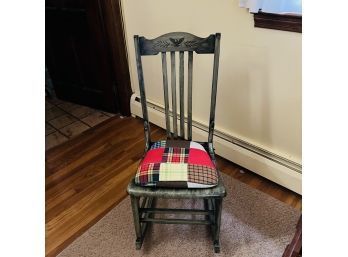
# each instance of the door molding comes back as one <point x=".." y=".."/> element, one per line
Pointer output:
<point x="114" y="30"/>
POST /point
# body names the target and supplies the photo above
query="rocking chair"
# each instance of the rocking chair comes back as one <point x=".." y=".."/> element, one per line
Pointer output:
<point x="177" y="168"/>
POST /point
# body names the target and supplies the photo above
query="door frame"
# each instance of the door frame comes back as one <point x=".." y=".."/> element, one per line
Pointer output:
<point x="111" y="14"/>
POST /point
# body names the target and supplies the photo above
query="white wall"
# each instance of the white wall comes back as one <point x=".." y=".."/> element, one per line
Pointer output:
<point x="259" y="89"/>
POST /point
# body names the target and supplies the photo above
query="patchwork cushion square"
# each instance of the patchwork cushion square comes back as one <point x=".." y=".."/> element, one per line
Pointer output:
<point x="177" y="164"/>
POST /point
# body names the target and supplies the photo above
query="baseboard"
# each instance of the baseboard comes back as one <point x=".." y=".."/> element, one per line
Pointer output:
<point x="271" y="166"/>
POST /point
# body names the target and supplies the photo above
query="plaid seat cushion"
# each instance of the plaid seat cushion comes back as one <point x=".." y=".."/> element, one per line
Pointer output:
<point x="177" y="164"/>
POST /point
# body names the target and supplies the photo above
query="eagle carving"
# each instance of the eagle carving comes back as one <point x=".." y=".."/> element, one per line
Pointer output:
<point x="176" y="41"/>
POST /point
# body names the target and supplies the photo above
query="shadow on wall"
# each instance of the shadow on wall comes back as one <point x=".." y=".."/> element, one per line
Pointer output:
<point x="249" y="97"/>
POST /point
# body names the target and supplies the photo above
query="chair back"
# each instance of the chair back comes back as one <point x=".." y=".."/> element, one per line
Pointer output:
<point x="177" y="42"/>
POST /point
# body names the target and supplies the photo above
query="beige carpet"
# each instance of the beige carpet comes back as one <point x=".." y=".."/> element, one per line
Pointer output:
<point x="253" y="224"/>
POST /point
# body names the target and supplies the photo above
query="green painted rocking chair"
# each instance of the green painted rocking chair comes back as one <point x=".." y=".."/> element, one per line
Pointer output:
<point x="177" y="168"/>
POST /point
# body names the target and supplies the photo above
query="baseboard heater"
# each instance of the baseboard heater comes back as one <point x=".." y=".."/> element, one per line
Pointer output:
<point x="274" y="167"/>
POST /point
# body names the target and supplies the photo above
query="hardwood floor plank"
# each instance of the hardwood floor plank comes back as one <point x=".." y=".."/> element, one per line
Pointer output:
<point x="88" y="175"/>
<point x="79" y="157"/>
<point x="57" y="152"/>
<point x="83" y="145"/>
<point x="77" y="217"/>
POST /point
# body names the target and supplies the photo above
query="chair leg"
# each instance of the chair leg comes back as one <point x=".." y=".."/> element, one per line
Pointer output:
<point x="206" y="207"/>
<point x="136" y="217"/>
<point x="217" y="223"/>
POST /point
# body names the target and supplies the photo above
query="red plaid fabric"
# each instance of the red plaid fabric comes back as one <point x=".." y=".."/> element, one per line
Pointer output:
<point x="180" y="164"/>
<point x="175" y="154"/>
<point x="148" y="173"/>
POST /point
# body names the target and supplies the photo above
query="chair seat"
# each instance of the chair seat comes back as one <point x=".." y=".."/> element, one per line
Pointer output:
<point x="176" y="193"/>
<point x="176" y="164"/>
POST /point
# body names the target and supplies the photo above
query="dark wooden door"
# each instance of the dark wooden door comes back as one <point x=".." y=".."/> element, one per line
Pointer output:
<point x="78" y="54"/>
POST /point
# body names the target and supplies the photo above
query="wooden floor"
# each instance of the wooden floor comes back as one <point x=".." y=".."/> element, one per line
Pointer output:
<point x="87" y="176"/>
